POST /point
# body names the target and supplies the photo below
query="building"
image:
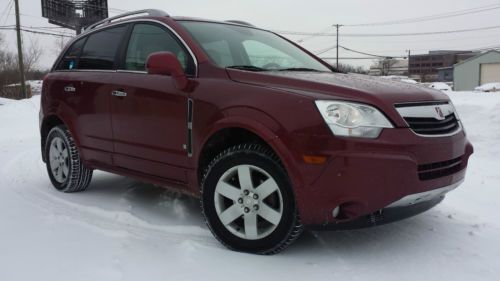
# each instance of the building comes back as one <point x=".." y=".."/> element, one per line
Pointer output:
<point x="445" y="74"/>
<point x="426" y="67"/>
<point x="389" y="67"/>
<point x="481" y="69"/>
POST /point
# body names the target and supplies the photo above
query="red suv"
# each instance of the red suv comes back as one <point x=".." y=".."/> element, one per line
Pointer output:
<point x="267" y="135"/>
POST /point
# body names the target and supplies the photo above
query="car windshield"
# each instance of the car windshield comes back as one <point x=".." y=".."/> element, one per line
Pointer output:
<point x="249" y="48"/>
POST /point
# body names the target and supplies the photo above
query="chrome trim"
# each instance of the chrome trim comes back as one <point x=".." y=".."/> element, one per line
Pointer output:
<point x="424" y="196"/>
<point x="429" y="111"/>
<point x="425" y="111"/>
<point x="69" y="89"/>
<point x="119" y="94"/>
<point x="190" y="113"/>
<point x="195" y="60"/>
<point x="131" y="71"/>
<point x="150" y="12"/>
<point x="86" y="70"/>
<point x="458" y="130"/>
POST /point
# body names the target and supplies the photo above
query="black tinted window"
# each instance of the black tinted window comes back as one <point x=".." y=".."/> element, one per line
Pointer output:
<point x="70" y="59"/>
<point x="101" y="47"/>
<point x="149" y="38"/>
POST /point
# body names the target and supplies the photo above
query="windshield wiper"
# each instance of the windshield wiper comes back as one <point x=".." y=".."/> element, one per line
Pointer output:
<point x="299" y="69"/>
<point x="247" y="67"/>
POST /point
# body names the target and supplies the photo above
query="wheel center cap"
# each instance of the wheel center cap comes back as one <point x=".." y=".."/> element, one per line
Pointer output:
<point x="248" y="202"/>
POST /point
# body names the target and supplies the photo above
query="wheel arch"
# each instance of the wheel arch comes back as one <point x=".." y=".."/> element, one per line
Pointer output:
<point x="237" y="130"/>
<point x="48" y="123"/>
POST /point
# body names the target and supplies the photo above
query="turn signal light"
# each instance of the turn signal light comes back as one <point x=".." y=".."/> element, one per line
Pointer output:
<point x="316" y="160"/>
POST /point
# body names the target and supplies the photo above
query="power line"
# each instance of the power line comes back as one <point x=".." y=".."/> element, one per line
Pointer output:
<point x="364" y="53"/>
<point x="326" y="50"/>
<point x="414" y="20"/>
<point x="388" y="34"/>
<point x="6" y="12"/>
<point x="373" y="56"/>
<point x="433" y="17"/>
<point x="37" y="32"/>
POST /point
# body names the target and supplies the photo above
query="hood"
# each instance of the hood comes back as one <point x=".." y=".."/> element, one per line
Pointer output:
<point x="382" y="93"/>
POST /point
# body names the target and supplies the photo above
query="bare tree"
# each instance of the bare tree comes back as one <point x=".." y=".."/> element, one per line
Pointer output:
<point x="347" y="68"/>
<point x="385" y="65"/>
<point x="32" y="55"/>
<point x="9" y="63"/>
<point x="60" y="44"/>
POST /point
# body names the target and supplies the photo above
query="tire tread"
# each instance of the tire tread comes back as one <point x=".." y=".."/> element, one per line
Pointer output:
<point x="266" y="152"/>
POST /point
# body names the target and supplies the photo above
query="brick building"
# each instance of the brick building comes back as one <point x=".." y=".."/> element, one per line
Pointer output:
<point x="426" y="67"/>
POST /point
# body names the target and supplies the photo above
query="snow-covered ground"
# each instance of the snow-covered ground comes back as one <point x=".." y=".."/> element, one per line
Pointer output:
<point x="36" y="86"/>
<point x="122" y="229"/>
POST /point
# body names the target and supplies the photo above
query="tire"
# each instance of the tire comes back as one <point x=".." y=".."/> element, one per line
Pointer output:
<point x="247" y="201"/>
<point x="64" y="165"/>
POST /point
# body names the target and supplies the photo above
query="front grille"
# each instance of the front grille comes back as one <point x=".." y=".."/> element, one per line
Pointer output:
<point x="440" y="169"/>
<point x="430" y="119"/>
<point x="432" y="126"/>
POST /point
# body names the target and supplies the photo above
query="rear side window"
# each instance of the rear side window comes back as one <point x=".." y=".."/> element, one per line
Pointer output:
<point x="148" y="38"/>
<point x="70" y="59"/>
<point x="100" y="50"/>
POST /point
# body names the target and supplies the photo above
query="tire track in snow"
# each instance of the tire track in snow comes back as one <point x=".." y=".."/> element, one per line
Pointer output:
<point x="115" y="223"/>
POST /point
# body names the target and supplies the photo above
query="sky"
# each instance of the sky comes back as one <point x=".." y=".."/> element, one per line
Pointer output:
<point x="309" y="16"/>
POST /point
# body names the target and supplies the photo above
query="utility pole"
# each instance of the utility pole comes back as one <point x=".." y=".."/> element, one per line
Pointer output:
<point x="20" y="51"/>
<point x="338" y="27"/>
<point x="409" y="56"/>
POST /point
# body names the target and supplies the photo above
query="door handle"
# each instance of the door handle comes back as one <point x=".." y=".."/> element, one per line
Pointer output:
<point x="120" y="94"/>
<point x="70" y="89"/>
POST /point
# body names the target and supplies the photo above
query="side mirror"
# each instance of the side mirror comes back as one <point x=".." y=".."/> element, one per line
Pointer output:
<point x="166" y="63"/>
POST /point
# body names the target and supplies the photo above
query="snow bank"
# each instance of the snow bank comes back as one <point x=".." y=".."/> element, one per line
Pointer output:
<point x="121" y="229"/>
<point x="490" y="87"/>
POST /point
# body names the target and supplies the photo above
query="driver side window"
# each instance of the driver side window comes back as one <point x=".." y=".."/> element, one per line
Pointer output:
<point x="149" y="38"/>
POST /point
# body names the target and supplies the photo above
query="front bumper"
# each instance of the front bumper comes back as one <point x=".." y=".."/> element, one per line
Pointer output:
<point x="363" y="177"/>
<point x="406" y="207"/>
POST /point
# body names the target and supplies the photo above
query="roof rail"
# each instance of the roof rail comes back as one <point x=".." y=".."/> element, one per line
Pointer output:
<point x="240" y="22"/>
<point x="150" y="12"/>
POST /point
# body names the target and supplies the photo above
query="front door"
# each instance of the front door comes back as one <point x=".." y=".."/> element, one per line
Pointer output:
<point x="149" y="114"/>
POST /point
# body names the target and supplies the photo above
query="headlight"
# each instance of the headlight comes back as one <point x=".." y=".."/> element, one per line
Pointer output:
<point x="353" y="119"/>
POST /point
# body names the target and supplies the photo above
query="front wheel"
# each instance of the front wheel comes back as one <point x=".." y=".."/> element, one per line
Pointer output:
<point x="248" y="202"/>
<point x="64" y="165"/>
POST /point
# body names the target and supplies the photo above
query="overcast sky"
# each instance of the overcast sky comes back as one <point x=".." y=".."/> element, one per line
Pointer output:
<point x="311" y="16"/>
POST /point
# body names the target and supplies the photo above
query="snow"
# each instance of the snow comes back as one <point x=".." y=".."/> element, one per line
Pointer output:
<point x="490" y="87"/>
<point x="409" y="81"/>
<point x="36" y="86"/>
<point x="440" y="86"/>
<point x="121" y="229"/>
<point x="399" y="78"/>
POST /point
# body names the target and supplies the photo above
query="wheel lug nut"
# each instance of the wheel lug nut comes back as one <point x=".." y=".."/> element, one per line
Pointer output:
<point x="240" y="200"/>
<point x="255" y="196"/>
<point x="247" y="210"/>
<point x="246" y="192"/>
<point x="256" y="207"/>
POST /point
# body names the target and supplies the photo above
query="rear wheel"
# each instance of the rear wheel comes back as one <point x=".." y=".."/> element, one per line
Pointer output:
<point x="66" y="170"/>
<point x="248" y="202"/>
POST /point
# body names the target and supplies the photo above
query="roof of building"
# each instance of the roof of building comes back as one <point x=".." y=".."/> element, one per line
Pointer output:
<point x="475" y="57"/>
<point x="444" y="52"/>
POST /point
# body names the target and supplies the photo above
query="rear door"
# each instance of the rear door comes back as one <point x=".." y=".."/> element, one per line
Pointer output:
<point x="149" y="114"/>
<point x="81" y="83"/>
